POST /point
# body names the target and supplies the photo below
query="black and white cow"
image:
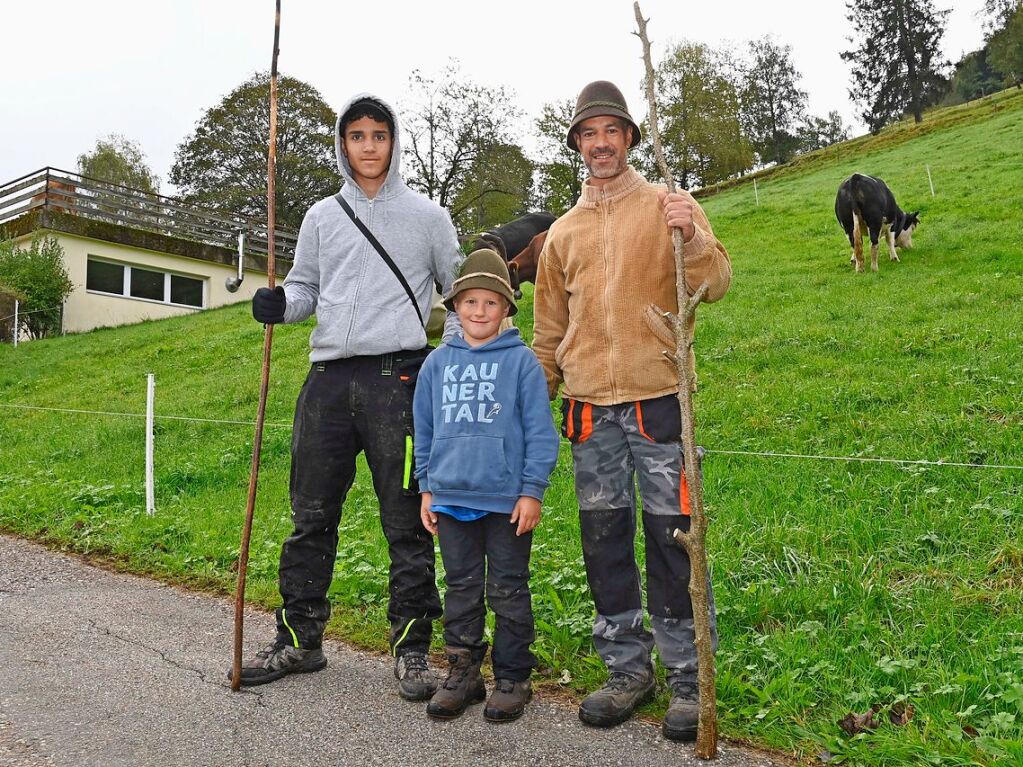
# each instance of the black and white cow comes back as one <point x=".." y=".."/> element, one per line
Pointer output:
<point x="866" y="204"/>
<point x="513" y="239"/>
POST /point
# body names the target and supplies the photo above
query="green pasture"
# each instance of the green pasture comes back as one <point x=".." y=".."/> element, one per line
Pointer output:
<point x="839" y="584"/>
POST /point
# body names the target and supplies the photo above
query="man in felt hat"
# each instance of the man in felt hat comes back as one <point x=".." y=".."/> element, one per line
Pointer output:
<point x="366" y="349"/>
<point x="606" y="262"/>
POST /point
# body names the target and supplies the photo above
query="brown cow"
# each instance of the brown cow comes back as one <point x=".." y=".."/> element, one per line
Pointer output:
<point x="524" y="263"/>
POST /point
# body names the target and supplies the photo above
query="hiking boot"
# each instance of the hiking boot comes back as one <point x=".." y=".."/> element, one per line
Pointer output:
<point x="278" y="659"/>
<point x="415" y="680"/>
<point x="464" y="685"/>
<point x="614" y="702"/>
<point x="683" y="716"/>
<point x="508" y="700"/>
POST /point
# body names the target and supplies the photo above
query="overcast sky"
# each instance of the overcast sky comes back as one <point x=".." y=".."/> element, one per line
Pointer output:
<point x="76" y="71"/>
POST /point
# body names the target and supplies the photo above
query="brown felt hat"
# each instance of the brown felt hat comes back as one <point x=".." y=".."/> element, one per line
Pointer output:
<point x="485" y="269"/>
<point x="601" y="98"/>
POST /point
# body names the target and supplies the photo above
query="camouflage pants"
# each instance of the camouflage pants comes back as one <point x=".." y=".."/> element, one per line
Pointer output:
<point x="612" y="448"/>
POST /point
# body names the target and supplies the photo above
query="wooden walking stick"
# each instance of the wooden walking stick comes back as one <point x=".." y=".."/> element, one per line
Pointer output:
<point x="264" y="383"/>
<point x="695" y="541"/>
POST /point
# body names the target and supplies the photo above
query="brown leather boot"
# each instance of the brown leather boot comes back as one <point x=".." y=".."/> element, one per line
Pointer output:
<point x="464" y="685"/>
<point x="508" y="700"/>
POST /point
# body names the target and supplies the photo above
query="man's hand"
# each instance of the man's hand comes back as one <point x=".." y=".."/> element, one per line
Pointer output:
<point x="526" y="513"/>
<point x="268" y="305"/>
<point x="678" y="211"/>
<point x="429" y="518"/>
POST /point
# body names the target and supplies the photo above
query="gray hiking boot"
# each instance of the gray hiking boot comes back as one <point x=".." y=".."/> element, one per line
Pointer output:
<point x="683" y="716"/>
<point x="278" y="659"/>
<point x="415" y="680"/>
<point x="614" y="702"/>
<point x="508" y="700"/>
<point x="464" y="685"/>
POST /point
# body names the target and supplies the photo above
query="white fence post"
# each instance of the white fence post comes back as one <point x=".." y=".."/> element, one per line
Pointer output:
<point x="150" y="392"/>
<point x="929" y="179"/>
<point x="15" y="323"/>
<point x="755" y="192"/>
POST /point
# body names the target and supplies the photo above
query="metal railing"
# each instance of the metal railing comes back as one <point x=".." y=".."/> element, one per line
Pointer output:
<point x="65" y="192"/>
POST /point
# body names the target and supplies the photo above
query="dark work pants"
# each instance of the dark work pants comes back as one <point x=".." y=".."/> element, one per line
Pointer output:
<point x="487" y="551"/>
<point x="347" y="406"/>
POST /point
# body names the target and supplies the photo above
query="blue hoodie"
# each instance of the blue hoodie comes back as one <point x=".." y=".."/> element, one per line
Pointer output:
<point x="360" y="306"/>
<point x="484" y="435"/>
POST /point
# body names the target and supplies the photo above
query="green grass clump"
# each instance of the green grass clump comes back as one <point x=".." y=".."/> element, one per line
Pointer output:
<point x="839" y="585"/>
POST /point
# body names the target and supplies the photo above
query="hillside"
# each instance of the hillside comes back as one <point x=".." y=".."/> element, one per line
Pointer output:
<point x="840" y="584"/>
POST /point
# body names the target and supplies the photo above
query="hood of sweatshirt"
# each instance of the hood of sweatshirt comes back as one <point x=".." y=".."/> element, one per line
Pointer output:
<point x="393" y="184"/>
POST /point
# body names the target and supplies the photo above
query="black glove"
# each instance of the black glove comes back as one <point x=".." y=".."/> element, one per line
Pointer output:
<point x="268" y="305"/>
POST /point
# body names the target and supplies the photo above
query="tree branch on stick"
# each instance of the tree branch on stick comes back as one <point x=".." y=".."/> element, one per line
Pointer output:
<point x="694" y="541"/>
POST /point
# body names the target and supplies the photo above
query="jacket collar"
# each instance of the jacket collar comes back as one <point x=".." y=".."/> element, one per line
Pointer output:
<point x="621" y="185"/>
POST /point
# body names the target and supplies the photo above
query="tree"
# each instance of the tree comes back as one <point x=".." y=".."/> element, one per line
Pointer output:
<point x="973" y="77"/>
<point x="117" y="160"/>
<point x="40" y="279"/>
<point x="450" y="124"/>
<point x="819" y="132"/>
<point x="996" y="13"/>
<point x="700" y="121"/>
<point x="773" y="104"/>
<point x="561" y="170"/>
<point x="897" y="64"/>
<point x="494" y="190"/>
<point x="1005" y="48"/>
<point x="223" y="164"/>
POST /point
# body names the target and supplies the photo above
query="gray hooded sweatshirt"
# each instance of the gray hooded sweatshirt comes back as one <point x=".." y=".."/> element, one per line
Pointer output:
<point x="360" y="306"/>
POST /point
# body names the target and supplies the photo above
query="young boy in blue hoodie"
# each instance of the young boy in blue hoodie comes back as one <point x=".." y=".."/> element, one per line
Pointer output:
<point x="485" y="447"/>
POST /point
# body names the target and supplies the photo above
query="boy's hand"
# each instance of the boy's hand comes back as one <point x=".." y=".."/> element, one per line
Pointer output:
<point x="678" y="211"/>
<point x="526" y="513"/>
<point x="429" y="518"/>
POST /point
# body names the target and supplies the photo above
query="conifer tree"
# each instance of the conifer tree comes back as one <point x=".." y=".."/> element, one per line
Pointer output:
<point x="897" y="67"/>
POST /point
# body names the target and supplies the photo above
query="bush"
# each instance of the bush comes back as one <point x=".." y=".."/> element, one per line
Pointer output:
<point x="38" y="278"/>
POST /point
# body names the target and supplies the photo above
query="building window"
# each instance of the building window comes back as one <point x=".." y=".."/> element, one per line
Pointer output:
<point x="148" y="284"/>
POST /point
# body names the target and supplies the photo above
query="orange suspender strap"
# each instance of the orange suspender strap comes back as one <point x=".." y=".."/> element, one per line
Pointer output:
<point x="569" y="425"/>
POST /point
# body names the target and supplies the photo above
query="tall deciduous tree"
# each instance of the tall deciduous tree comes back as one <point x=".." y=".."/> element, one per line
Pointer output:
<point x="818" y="132"/>
<point x="223" y="164"/>
<point x="897" y="66"/>
<point x="700" y="121"/>
<point x="495" y="189"/>
<point x="1005" y="47"/>
<point x="117" y="160"/>
<point x="773" y="104"/>
<point x="450" y="124"/>
<point x="561" y="170"/>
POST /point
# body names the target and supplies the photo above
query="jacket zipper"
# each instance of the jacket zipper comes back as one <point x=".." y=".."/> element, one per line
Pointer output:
<point x="362" y="276"/>
<point x="607" y="294"/>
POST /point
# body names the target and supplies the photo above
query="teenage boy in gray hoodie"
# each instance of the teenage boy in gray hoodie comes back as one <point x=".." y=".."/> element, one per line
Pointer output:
<point x="366" y="348"/>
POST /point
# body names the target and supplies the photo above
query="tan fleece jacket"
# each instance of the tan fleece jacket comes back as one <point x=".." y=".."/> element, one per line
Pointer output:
<point x="605" y="262"/>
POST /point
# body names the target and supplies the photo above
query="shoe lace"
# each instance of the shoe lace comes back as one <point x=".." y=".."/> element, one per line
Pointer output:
<point x="456" y="675"/>
<point x="618" y="681"/>
<point x="686" y="690"/>
<point x="415" y="662"/>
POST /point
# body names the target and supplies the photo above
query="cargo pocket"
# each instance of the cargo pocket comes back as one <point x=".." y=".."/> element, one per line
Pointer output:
<point x="659" y="420"/>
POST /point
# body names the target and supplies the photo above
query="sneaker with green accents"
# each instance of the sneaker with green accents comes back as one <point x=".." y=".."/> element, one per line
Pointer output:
<point x="278" y="659"/>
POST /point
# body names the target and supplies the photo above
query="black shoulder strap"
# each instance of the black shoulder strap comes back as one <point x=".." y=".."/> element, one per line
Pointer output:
<point x="383" y="253"/>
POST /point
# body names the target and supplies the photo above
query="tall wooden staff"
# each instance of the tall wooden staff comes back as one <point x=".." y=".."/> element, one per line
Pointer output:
<point x="264" y="383"/>
<point x="694" y="541"/>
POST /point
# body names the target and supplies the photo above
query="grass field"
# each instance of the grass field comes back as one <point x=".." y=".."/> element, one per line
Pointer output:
<point x="840" y="585"/>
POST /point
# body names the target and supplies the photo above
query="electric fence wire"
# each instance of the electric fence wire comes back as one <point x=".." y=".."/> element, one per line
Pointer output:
<point x="708" y="451"/>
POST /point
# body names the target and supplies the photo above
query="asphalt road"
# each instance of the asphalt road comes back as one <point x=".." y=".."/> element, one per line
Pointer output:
<point x="98" y="668"/>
